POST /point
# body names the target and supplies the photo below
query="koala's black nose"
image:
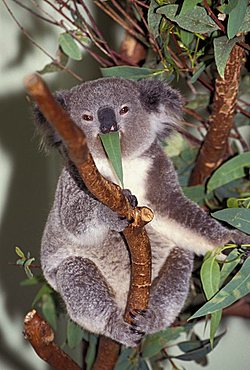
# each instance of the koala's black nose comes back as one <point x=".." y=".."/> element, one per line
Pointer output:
<point x="106" y="116"/>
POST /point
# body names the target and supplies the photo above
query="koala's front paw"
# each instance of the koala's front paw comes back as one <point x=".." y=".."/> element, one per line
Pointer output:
<point x="143" y="321"/>
<point x="125" y="333"/>
<point x="131" y="198"/>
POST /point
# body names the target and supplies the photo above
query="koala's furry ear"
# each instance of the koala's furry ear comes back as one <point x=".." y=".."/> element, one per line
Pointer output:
<point x="156" y="94"/>
<point x="50" y="136"/>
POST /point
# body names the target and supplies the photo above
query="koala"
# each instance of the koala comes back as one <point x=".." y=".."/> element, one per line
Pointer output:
<point x="84" y="256"/>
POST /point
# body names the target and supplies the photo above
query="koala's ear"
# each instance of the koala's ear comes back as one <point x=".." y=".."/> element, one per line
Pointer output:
<point x="50" y="136"/>
<point x="156" y="94"/>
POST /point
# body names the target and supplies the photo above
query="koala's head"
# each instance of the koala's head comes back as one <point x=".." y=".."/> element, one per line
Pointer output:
<point x="140" y="111"/>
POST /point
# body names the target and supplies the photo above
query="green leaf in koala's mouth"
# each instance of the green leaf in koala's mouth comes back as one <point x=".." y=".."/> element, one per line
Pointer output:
<point x="112" y="146"/>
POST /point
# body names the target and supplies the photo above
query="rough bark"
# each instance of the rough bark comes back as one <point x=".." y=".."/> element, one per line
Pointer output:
<point x="214" y="148"/>
<point x="108" y="352"/>
<point x="41" y="337"/>
<point x="107" y="192"/>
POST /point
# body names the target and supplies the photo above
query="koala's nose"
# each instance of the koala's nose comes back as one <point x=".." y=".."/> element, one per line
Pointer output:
<point x="107" y="119"/>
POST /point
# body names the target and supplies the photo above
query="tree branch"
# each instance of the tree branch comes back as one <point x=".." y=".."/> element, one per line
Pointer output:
<point x="41" y="337"/>
<point x="214" y="147"/>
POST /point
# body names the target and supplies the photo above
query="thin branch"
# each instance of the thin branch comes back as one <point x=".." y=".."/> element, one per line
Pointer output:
<point x="55" y="23"/>
<point x="213" y="16"/>
<point x="128" y="18"/>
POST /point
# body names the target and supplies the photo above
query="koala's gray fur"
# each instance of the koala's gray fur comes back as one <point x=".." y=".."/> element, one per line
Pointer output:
<point x="83" y="255"/>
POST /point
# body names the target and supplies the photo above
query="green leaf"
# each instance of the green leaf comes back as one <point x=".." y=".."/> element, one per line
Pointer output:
<point x="195" y="193"/>
<point x="199" y="352"/>
<point x="238" y="287"/>
<point x="155" y="342"/>
<point x="74" y="334"/>
<point x="229" y="265"/>
<point x="112" y="146"/>
<point x="49" y="310"/>
<point x="210" y="276"/>
<point x="222" y="50"/>
<point x="229" y="171"/>
<point x="245" y="25"/>
<point x="186" y="37"/>
<point x="232" y="202"/>
<point x="69" y="46"/>
<point x="133" y="73"/>
<point x="188" y="5"/>
<point x="154" y="19"/>
<point x="236" y="217"/>
<point x="236" y="18"/>
<point x="20" y="253"/>
<point x="31" y="281"/>
<point x="194" y="20"/>
<point x="91" y="353"/>
<point x="61" y="58"/>
<point x="201" y="67"/>
<point x="214" y="325"/>
<point x="45" y="289"/>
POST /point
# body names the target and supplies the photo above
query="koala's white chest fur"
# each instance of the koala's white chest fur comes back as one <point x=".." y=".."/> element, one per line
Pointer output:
<point x="134" y="175"/>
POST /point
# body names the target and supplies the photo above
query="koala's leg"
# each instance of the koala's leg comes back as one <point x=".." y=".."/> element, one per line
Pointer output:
<point x="168" y="293"/>
<point x="90" y="302"/>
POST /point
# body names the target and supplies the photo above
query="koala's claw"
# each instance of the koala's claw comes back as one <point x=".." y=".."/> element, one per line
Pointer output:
<point x="131" y="198"/>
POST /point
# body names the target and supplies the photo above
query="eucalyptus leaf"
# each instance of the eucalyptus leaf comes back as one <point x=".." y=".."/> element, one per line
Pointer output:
<point x="133" y="73"/>
<point x="201" y="67"/>
<point x="222" y="50"/>
<point x="156" y="342"/>
<point x="195" y="193"/>
<point x="186" y="37"/>
<point x="236" y="18"/>
<point x="229" y="265"/>
<point x="237" y="288"/>
<point x="194" y="20"/>
<point x="91" y="352"/>
<point x="154" y="19"/>
<point x="236" y="217"/>
<point x="229" y="171"/>
<point x="123" y="362"/>
<point x="49" y="310"/>
<point x="74" y="334"/>
<point x="19" y="252"/>
<point x="210" y="276"/>
<point x="111" y="143"/>
<point x="188" y="5"/>
<point x="214" y="325"/>
<point x="245" y="25"/>
<point x="199" y="352"/>
<point x="45" y="289"/>
<point x="69" y="46"/>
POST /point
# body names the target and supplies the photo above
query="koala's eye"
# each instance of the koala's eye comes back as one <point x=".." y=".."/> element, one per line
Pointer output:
<point x="124" y="110"/>
<point x="87" y="117"/>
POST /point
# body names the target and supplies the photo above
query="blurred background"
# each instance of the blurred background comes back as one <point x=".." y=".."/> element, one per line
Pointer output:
<point x="28" y="178"/>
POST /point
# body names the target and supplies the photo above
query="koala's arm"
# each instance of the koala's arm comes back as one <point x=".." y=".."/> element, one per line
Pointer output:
<point x="178" y="218"/>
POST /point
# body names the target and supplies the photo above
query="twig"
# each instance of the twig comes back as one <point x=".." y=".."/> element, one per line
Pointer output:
<point x="213" y="16"/>
<point x="41" y="337"/>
